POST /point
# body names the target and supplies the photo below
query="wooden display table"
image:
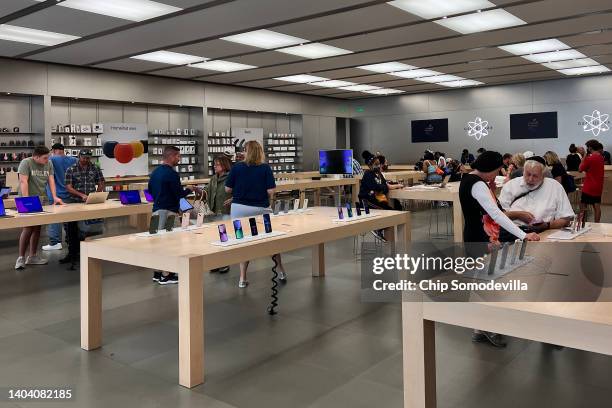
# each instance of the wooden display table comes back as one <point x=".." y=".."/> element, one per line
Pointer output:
<point x="581" y="325"/>
<point x="190" y="254"/>
<point x="304" y="184"/>
<point x="77" y="212"/>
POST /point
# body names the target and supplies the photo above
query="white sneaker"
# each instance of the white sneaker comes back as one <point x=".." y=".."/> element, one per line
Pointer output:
<point x="50" y="247"/>
<point x="20" y="264"/>
<point x="36" y="260"/>
<point x="243" y="283"/>
<point x="282" y="276"/>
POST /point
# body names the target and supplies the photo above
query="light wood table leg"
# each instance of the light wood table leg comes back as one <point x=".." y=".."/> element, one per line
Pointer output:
<point x="457" y="221"/>
<point x="317" y="197"/>
<point x="142" y="221"/>
<point x="302" y="197"/>
<point x="91" y="301"/>
<point x="191" y="323"/>
<point x="419" y="347"/>
<point x="318" y="260"/>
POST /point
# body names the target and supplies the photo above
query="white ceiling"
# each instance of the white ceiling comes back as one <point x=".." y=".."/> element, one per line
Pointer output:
<point x="374" y="30"/>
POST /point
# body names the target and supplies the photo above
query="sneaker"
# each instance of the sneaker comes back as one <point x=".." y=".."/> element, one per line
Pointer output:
<point x="224" y="269"/>
<point x="36" y="260"/>
<point x="495" y="339"/>
<point x="50" y="247"/>
<point x="170" y="279"/>
<point x="478" y="337"/>
<point x="282" y="276"/>
<point x="20" y="264"/>
<point x="243" y="283"/>
<point x="156" y="276"/>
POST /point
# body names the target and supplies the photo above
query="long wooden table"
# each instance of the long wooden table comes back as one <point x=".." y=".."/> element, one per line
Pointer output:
<point x="54" y="214"/>
<point x="190" y="254"/>
<point x="449" y="193"/>
<point x="581" y="325"/>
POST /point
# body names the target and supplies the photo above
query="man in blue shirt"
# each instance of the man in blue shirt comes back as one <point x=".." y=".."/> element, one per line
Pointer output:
<point x="61" y="163"/>
<point x="167" y="191"/>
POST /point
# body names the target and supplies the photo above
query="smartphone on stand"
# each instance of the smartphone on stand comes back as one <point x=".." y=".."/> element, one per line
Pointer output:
<point x="296" y="204"/>
<point x="340" y="213"/>
<point x="222" y="233"/>
<point x="154" y="224"/>
<point x="200" y="220"/>
<point x="287" y="205"/>
<point x="185" y="220"/>
<point x="305" y="205"/>
<point x="267" y="223"/>
<point x="349" y="210"/>
<point x="238" y="229"/>
<point x="366" y="208"/>
<point x="277" y="207"/>
<point x="169" y="226"/>
<point x="358" y="208"/>
<point x="253" y="225"/>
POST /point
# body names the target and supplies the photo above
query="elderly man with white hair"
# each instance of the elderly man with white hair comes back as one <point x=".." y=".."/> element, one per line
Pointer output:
<point x="536" y="200"/>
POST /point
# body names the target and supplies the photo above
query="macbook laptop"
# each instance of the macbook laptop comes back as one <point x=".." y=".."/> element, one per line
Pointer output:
<point x="3" y="210"/>
<point x="129" y="197"/>
<point x="444" y="181"/>
<point x="28" y="205"/>
<point x="4" y="192"/>
<point x="148" y="196"/>
<point x="97" y="197"/>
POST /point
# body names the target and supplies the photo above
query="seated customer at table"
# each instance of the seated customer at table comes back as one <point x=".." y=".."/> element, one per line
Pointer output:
<point x="536" y="200"/>
<point x="433" y="173"/>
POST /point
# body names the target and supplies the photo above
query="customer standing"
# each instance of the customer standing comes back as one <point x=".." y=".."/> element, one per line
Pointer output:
<point x="573" y="159"/>
<point x="252" y="185"/>
<point x="484" y="217"/>
<point x="166" y="188"/>
<point x="61" y="163"/>
<point x="593" y="165"/>
<point x="81" y="179"/>
<point x="34" y="174"/>
<point x="218" y="200"/>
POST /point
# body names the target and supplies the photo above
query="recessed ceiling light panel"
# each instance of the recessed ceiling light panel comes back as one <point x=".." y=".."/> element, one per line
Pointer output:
<point x="584" y="62"/>
<point x="384" y="91"/>
<point x="439" y="78"/>
<point x="415" y="73"/>
<point x="33" y="36"/>
<point x="332" y="84"/>
<point x="267" y="39"/>
<point x="585" y="70"/>
<point x="315" y="50"/>
<point x="169" y="57"/>
<point x="533" y="47"/>
<point x="485" y="21"/>
<point x="461" y="82"/>
<point x="223" y="66"/>
<point x="554" y="56"/>
<point x="385" y="67"/>
<point x="429" y="9"/>
<point x="133" y="10"/>
<point x="359" y="88"/>
<point x="302" y="78"/>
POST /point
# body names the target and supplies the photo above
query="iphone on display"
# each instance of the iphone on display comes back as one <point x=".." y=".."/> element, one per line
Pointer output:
<point x="169" y="223"/>
<point x="200" y="220"/>
<point x="287" y="205"/>
<point x="185" y="220"/>
<point x="366" y="208"/>
<point x="340" y="213"/>
<point x="349" y="210"/>
<point x="238" y="229"/>
<point x="222" y="232"/>
<point x="358" y="208"/>
<point x="253" y="225"/>
<point x="305" y="205"/>
<point x="267" y="223"/>
<point x="296" y="204"/>
<point x="277" y="207"/>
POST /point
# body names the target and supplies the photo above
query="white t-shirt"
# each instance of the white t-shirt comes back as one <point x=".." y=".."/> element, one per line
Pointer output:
<point x="547" y="203"/>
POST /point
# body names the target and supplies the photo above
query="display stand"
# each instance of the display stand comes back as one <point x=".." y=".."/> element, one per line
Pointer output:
<point x="355" y="218"/>
<point x="245" y="240"/>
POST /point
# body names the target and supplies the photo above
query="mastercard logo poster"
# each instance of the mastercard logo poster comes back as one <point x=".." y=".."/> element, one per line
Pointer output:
<point x="125" y="152"/>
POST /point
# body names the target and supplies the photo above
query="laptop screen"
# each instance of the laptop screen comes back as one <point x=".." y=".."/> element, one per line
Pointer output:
<point x="129" y="197"/>
<point x="148" y="196"/>
<point x="26" y="205"/>
<point x="185" y="206"/>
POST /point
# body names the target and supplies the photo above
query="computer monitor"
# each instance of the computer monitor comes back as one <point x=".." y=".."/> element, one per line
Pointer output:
<point x="148" y="196"/>
<point x="129" y="197"/>
<point x="337" y="161"/>
<point x="28" y="205"/>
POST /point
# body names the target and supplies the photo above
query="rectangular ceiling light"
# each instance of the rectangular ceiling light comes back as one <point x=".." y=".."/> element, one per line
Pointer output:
<point x="533" y="47"/>
<point x="315" y="50"/>
<point x="265" y="39"/>
<point x="415" y="73"/>
<point x="302" y="79"/>
<point x="585" y="70"/>
<point x="169" y="57"/>
<point x="386" y="67"/>
<point x="584" y="62"/>
<point x="477" y="22"/>
<point x="384" y="91"/>
<point x="33" y="36"/>
<point x="461" y="82"/>
<point x="333" y="83"/>
<point x="439" y="78"/>
<point x="360" y="88"/>
<point x="439" y="8"/>
<point x="554" y="56"/>
<point x="223" y="66"/>
<point x="133" y="10"/>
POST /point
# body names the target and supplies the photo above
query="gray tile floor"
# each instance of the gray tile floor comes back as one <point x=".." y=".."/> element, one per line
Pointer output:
<point x="325" y="349"/>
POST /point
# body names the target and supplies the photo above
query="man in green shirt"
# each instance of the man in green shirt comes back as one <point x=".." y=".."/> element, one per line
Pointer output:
<point x="34" y="174"/>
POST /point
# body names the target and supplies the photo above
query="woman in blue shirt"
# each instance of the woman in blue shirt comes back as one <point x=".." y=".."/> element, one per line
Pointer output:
<point x="251" y="184"/>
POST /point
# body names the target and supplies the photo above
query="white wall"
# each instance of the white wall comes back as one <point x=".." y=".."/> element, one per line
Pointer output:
<point x="384" y="123"/>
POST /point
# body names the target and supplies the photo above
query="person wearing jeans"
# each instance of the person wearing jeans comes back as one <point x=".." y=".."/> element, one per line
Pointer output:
<point x="61" y="163"/>
<point x="167" y="191"/>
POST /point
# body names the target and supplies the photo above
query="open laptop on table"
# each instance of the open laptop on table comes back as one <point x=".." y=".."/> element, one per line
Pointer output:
<point x="3" y="210"/>
<point x="148" y="196"/>
<point x="130" y="197"/>
<point x="97" y="197"/>
<point x="4" y="192"/>
<point x="29" y="205"/>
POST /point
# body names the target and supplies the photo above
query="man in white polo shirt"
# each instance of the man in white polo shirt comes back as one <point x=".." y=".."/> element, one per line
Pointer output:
<point x="542" y="198"/>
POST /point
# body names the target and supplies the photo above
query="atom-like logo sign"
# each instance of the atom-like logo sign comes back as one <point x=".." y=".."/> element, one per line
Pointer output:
<point x="478" y="128"/>
<point x="596" y="123"/>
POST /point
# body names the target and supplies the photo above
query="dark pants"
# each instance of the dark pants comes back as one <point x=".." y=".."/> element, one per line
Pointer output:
<point x="393" y="204"/>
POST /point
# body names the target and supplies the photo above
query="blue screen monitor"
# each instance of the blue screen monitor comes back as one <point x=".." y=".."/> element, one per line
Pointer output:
<point x="28" y="205"/>
<point x="129" y="197"/>
<point x="338" y="161"/>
